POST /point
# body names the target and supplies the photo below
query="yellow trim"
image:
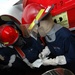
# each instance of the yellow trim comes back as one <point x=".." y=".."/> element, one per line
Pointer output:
<point x="37" y="18"/>
<point x="5" y="43"/>
<point x="39" y="14"/>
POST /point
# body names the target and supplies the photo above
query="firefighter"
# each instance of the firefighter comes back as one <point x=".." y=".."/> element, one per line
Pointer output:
<point x="16" y="50"/>
<point x="60" y="49"/>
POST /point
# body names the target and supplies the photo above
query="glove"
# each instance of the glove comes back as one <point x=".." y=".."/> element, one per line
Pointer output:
<point x="59" y="60"/>
<point x="44" y="53"/>
<point x="1" y="58"/>
<point x="50" y="61"/>
<point x="12" y="60"/>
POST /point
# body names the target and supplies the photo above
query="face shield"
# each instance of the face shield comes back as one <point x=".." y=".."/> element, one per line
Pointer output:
<point x="38" y="30"/>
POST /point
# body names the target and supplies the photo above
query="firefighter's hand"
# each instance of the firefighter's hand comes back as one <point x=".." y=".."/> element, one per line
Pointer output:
<point x="44" y="53"/>
<point x="50" y="61"/>
<point x="59" y="60"/>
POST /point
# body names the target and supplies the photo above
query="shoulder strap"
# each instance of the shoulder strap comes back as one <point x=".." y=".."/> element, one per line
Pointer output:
<point x="23" y="56"/>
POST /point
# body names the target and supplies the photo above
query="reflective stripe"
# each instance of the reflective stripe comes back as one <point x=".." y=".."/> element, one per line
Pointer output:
<point x="20" y="52"/>
<point x="36" y="19"/>
<point x="5" y="43"/>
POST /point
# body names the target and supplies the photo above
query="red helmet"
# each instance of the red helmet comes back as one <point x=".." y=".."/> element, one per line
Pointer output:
<point x="8" y="35"/>
<point x="30" y="12"/>
<point x="33" y="13"/>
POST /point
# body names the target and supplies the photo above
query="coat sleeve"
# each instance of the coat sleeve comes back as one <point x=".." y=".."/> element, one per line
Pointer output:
<point x="70" y="49"/>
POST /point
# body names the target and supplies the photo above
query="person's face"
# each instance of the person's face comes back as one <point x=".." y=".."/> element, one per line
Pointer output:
<point x="41" y="29"/>
<point x="45" y="26"/>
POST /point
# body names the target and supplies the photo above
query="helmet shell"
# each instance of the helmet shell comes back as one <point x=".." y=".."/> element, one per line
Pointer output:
<point x="30" y="12"/>
<point x="8" y="35"/>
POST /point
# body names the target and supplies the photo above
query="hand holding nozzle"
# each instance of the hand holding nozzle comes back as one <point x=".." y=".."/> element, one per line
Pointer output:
<point x="44" y="53"/>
